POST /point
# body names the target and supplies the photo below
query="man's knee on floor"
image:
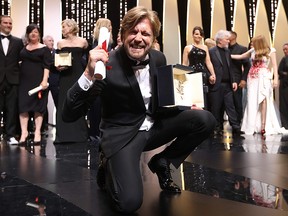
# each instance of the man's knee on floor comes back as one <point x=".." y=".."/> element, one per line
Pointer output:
<point x="129" y="204"/>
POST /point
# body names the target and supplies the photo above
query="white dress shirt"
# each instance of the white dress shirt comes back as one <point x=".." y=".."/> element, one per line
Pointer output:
<point x="5" y="44"/>
<point x="143" y="77"/>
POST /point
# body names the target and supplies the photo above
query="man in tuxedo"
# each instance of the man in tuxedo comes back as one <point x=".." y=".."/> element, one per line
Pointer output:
<point x="240" y="69"/>
<point x="220" y="94"/>
<point x="10" y="48"/>
<point x="131" y="122"/>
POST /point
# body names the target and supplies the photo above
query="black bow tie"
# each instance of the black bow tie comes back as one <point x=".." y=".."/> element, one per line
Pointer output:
<point x="140" y="63"/>
<point x="4" y="36"/>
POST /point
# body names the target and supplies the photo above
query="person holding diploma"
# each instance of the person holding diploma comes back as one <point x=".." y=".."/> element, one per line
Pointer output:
<point x="36" y="59"/>
<point x="71" y="43"/>
<point x="94" y="114"/>
<point x="131" y="122"/>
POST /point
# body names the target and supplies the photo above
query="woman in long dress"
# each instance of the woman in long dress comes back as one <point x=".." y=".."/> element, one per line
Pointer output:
<point x="260" y="115"/>
<point x="73" y="131"/>
<point x="36" y="58"/>
<point x="197" y="57"/>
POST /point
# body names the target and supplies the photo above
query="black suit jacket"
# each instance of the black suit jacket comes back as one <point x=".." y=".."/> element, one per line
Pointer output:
<point x="9" y="64"/>
<point x="218" y="67"/>
<point x="237" y="65"/>
<point x="123" y="108"/>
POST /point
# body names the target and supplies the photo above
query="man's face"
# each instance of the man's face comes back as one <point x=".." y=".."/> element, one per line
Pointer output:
<point x="138" y="41"/>
<point x="6" y="25"/>
<point x="285" y="50"/>
<point x="232" y="39"/>
<point x="49" y="42"/>
<point x="224" y="42"/>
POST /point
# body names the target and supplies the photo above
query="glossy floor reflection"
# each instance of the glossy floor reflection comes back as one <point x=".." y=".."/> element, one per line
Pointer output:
<point x="19" y="197"/>
<point x="225" y="185"/>
<point x="225" y="176"/>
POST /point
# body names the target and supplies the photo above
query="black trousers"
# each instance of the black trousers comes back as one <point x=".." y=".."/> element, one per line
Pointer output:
<point x="94" y="116"/>
<point x="9" y="107"/>
<point x="223" y="98"/>
<point x="237" y="96"/>
<point x="188" y="129"/>
<point x="283" y="102"/>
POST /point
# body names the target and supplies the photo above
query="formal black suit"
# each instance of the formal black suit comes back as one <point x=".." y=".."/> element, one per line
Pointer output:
<point x="9" y="81"/>
<point x="220" y="94"/>
<point x="123" y="114"/>
<point x="240" y="68"/>
<point x="54" y="80"/>
<point x="283" y="91"/>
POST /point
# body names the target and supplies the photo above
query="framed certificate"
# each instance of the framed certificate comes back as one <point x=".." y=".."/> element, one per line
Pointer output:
<point x="63" y="59"/>
<point x="179" y="86"/>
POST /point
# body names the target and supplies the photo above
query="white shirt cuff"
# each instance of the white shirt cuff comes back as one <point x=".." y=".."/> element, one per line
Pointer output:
<point x="84" y="83"/>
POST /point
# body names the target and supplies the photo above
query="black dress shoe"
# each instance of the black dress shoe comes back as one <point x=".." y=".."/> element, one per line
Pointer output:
<point x="160" y="166"/>
<point x="237" y="131"/>
<point x="101" y="172"/>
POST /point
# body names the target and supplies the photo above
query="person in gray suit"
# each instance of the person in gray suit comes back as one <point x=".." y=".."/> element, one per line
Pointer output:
<point x="131" y="122"/>
<point x="10" y="48"/>
<point x="220" y="94"/>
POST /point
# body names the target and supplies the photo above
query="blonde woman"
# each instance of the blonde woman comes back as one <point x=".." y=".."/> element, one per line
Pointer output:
<point x="260" y="112"/>
<point x="75" y="131"/>
<point x="101" y="22"/>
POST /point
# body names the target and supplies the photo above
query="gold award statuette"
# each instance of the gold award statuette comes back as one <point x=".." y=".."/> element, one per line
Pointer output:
<point x="63" y="59"/>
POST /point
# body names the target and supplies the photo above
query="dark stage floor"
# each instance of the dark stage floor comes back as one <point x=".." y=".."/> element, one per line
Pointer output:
<point x="225" y="176"/>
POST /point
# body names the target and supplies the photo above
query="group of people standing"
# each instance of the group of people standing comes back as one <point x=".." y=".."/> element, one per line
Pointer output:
<point x="231" y="68"/>
<point x="130" y="120"/>
<point x="17" y="81"/>
<point x="27" y="63"/>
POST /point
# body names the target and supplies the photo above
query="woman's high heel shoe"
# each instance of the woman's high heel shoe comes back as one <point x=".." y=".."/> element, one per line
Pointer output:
<point x="23" y="142"/>
<point x="37" y="141"/>
<point x="263" y="132"/>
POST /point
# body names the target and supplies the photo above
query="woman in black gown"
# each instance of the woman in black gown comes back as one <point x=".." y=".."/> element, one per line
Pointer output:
<point x="283" y="88"/>
<point x="36" y="58"/>
<point x="75" y="131"/>
<point x="196" y="56"/>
